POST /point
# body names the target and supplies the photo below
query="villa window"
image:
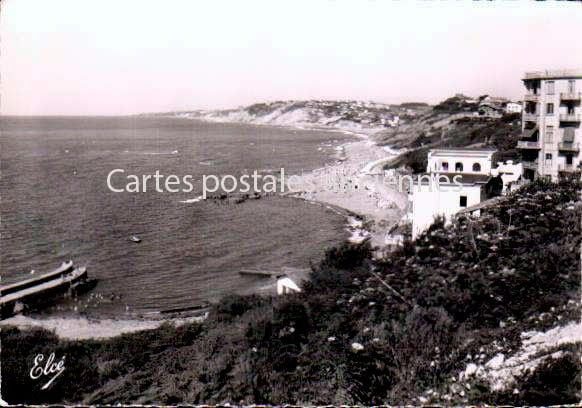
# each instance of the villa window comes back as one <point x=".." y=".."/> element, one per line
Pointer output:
<point x="459" y="167"/>
<point x="549" y="134"/>
<point x="550" y="87"/>
<point x="571" y="86"/>
<point x="548" y="159"/>
<point x="463" y="201"/>
<point x="550" y="108"/>
<point x="445" y="166"/>
<point x="476" y="167"/>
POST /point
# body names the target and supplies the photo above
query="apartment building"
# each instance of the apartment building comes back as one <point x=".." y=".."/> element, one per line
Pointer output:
<point x="550" y="141"/>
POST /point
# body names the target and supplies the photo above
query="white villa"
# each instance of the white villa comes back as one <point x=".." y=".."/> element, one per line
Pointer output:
<point x="513" y="107"/>
<point x="468" y="182"/>
<point x="455" y="161"/>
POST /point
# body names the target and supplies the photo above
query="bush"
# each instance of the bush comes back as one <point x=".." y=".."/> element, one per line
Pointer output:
<point x="416" y="313"/>
<point x="232" y="306"/>
<point x="19" y="349"/>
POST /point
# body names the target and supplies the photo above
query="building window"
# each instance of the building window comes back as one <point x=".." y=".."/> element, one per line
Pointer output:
<point x="445" y="166"/>
<point x="530" y="107"/>
<point x="569" y="160"/>
<point x="571" y="86"/>
<point x="463" y="201"/>
<point x="549" y="134"/>
<point x="550" y="87"/>
<point x="548" y="159"/>
<point x="459" y="167"/>
<point x="550" y="108"/>
<point x="476" y="167"/>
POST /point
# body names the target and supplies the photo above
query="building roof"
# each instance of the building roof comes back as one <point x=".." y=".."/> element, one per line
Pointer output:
<point x="467" y="152"/>
<point x="483" y="204"/>
<point x="465" y="179"/>
<point x="554" y="74"/>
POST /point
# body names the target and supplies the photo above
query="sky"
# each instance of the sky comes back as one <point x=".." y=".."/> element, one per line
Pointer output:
<point x="112" y="57"/>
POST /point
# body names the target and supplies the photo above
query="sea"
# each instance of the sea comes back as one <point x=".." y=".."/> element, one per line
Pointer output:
<point x="55" y="205"/>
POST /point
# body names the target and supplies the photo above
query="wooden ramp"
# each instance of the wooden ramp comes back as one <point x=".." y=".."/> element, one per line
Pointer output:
<point x="258" y="272"/>
<point x="285" y="270"/>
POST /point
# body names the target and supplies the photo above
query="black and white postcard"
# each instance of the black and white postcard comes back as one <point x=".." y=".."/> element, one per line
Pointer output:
<point x="286" y="202"/>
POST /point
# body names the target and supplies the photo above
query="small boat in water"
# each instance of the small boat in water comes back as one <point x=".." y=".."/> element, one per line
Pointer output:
<point x="135" y="239"/>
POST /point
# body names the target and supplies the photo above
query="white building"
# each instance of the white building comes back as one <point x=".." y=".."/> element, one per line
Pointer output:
<point x="286" y="285"/>
<point x="513" y="107"/>
<point x="455" y="179"/>
<point x="509" y="173"/>
<point x="550" y="143"/>
<point x="469" y="161"/>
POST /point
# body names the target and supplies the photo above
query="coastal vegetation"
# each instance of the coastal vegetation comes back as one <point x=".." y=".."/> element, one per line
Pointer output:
<point x="421" y="325"/>
<point x="445" y="130"/>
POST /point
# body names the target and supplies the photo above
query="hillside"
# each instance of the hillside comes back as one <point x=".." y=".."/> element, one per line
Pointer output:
<point x="455" y="122"/>
<point x="483" y="311"/>
<point x="354" y="116"/>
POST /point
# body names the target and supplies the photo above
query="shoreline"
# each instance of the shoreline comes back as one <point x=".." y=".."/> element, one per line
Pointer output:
<point x="367" y="217"/>
<point x="350" y="184"/>
<point x="363" y="216"/>
<point x="85" y="328"/>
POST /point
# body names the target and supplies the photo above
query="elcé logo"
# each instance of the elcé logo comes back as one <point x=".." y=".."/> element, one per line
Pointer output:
<point x="49" y="368"/>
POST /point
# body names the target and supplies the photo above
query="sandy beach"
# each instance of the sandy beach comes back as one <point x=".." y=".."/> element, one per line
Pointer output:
<point x="354" y="183"/>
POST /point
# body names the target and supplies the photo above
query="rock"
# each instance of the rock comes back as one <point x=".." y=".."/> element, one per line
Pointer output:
<point x="496" y="362"/>
<point x="470" y="370"/>
<point x="357" y="346"/>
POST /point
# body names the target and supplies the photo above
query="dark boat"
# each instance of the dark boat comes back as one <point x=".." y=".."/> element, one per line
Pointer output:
<point x="32" y="292"/>
<point x="65" y="268"/>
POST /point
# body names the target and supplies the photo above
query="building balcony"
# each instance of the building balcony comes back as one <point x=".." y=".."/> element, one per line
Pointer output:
<point x="569" y="117"/>
<point x="569" y="147"/>
<point x="525" y="144"/>
<point x="531" y="97"/>
<point x="532" y="165"/>
<point x="530" y="117"/>
<point x="556" y="74"/>
<point x="568" y="168"/>
<point x="570" y="96"/>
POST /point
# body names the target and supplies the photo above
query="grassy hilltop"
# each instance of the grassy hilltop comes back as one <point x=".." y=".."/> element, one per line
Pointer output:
<point x="425" y="325"/>
<point x="452" y="123"/>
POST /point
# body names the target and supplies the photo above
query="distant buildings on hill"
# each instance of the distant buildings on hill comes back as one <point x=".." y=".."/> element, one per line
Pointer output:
<point x="483" y="107"/>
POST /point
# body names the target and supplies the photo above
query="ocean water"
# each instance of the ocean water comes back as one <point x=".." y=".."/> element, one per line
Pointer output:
<point x="55" y="205"/>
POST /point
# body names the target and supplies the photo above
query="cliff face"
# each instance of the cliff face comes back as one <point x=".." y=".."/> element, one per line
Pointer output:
<point x="354" y="116"/>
